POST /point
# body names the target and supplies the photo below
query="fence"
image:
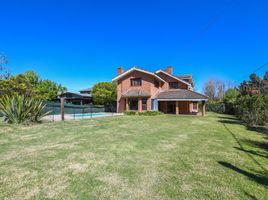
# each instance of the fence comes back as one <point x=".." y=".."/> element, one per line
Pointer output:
<point x="73" y="111"/>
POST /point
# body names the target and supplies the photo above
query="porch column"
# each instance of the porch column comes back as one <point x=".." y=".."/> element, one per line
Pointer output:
<point x="140" y="105"/>
<point x="127" y="106"/>
<point x="177" y="108"/>
<point x="190" y="107"/>
<point x="203" y="108"/>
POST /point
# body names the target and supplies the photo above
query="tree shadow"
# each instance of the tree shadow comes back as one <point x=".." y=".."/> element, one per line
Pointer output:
<point x="260" y="129"/>
<point x="252" y="152"/>
<point x="241" y="147"/>
<point x="261" y="179"/>
<point x="258" y="144"/>
<point x="229" y="121"/>
<point x="230" y="117"/>
<point x="250" y="196"/>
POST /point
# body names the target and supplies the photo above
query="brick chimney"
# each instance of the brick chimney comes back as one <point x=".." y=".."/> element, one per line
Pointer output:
<point x="169" y="70"/>
<point x="120" y="70"/>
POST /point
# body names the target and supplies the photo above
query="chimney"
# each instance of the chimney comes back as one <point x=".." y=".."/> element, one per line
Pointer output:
<point x="169" y="70"/>
<point x="120" y="70"/>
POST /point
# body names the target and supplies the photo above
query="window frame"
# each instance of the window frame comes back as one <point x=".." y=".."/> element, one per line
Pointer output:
<point x="171" y="84"/>
<point x="132" y="82"/>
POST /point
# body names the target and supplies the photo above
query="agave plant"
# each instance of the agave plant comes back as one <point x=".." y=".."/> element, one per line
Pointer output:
<point x="21" y="109"/>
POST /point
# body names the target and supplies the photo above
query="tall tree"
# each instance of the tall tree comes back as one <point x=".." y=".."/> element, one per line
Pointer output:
<point x="220" y="89"/>
<point x="104" y="93"/>
<point x="32" y="77"/>
<point x="210" y="89"/>
<point x="3" y="70"/>
<point x="264" y="85"/>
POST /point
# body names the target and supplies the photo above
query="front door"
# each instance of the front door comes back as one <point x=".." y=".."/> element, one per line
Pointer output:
<point x="171" y="107"/>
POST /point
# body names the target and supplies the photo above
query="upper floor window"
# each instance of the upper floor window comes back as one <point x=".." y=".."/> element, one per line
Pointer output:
<point x="173" y="85"/>
<point x="135" y="82"/>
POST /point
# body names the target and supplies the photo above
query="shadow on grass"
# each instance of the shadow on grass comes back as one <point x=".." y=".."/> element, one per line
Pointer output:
<point x="252" y="152"/>
<point x="250" y="196"/>
<point x="263" y="130"/>
<point x="258" y="144"/>
<point x="261" y="179"/>
<point x="230" y="117"/>
<point x="241" y="147"/>
<point x="229" y="121"/>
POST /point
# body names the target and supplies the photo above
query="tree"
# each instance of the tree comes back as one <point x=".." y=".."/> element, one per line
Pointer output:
<point x="264" y="84"/>
<point x="32" y="77"/>
<point x="215" y="89"/>
<point x="16" y="85"/>
<point x="104" y="93"/>
<point x="253" y="86"/>
<point x="220" y="89"/>
<point x="3" y="70"/>
<point x="29" y="84"/>
<point x="48" y="90"/>
<point x="231" y="95"/>
<point x="210" y="89"/>
<point x="252" y="109"/>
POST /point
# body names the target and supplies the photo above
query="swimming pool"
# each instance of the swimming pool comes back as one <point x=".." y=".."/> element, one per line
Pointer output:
<point x="93" y="115"/>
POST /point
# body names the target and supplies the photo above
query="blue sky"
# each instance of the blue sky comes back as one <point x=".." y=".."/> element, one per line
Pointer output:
<point x="78" y="43"/>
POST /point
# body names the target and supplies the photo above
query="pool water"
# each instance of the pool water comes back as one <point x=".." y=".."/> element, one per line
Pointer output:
<point x="93" y="115"/>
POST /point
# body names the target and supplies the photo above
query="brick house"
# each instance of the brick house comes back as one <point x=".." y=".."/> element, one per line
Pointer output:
<point x="141" y="90"/>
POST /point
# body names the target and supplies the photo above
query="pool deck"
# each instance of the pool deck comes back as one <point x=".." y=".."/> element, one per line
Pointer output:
<point x="79" y="116"/>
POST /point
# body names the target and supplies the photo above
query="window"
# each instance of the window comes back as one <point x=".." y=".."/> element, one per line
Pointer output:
<point x="173" y="85"/>
<point x="135" y="82"/>
<point x="144" y="104"/>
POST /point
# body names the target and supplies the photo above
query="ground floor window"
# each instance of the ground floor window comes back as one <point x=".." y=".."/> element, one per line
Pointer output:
<point x="133" y="104"/>
<point x="144" y="104"/>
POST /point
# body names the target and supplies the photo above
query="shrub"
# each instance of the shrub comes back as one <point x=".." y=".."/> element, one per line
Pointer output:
<point x="215" y="107"/>
<point x="150" y="113"/>
<point x="252" y="109"/>
<point x="21" y="109"/>
<point x="131" y="112"/>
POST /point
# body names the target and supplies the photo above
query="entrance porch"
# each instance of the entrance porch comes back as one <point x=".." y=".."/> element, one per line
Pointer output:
<point x="180" y="107"/>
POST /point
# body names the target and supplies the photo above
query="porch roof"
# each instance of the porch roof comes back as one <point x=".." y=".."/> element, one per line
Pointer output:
<point x="136" y="93"/>
<point x="180" y="95"/>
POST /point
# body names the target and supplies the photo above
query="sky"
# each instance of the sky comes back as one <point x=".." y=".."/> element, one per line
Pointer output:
<point x="81" y="42"/>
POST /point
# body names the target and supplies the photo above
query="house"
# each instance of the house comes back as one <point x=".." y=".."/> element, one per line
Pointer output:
<point x="141" y="90"/>
<point x="84" y="97"/>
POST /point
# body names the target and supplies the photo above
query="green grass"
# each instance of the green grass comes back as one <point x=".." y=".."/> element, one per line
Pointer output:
<point x="134" y="157"/>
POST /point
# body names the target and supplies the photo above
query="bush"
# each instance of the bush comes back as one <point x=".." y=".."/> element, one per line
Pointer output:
<point x="150" y="113"/>
<point x="131" y="112"/>
<point x="215" y="107"/>
<point x="252" y="109"/>
<point x="144" y="113"/>
<point x="21" y="109"/>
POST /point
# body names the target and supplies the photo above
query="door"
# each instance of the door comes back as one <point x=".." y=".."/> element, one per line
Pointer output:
<point x="171" y="107"/>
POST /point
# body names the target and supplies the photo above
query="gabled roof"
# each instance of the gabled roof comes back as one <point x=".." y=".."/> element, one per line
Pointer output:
<point x="136" y="93"/>
<point x="181" y="94"/>
<point x="175" y="77"/>
<point x="136" y="69"/>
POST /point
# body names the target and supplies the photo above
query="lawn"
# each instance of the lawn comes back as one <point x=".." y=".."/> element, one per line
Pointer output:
<point x="134" y="157"/>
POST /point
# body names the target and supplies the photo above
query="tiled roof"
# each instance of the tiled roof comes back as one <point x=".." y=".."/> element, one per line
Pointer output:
<point x="86" y="90"/>
<point x="181" y="94"/>
<point x="136" y="93"/>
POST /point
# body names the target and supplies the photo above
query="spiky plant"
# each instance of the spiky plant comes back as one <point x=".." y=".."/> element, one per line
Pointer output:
<point x="22" y="110"/>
